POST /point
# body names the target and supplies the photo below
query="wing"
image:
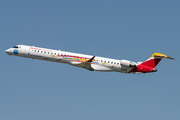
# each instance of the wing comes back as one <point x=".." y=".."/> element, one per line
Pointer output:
<point x="86" y="64"/>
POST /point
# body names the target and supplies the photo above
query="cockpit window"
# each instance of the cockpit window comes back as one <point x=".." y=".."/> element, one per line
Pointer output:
<point x="15" y="47"/>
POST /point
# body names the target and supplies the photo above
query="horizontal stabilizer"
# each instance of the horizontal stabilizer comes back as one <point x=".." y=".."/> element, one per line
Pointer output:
<point x="160" y="55"/>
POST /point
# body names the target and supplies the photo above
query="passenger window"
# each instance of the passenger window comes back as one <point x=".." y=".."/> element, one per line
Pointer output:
<point x="48" y="52"/>
<point x="111" y="62"/>
<point x="34" y="50"/>
<point x="38" y="50"/>
<point x="118" y="63"/>
<point x="104" y="61"/>
<point x="54" y="53"/>
<point x="101" y="60"/>
<point x="108" y="61"/>
<point x="51" y="53"/>
<point x="41" y="51"/>
<point x="44" y="51"/>
<point x="114" y="62"/>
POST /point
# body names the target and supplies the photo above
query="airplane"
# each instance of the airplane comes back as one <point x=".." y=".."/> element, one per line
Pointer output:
<point x="89" y="62"/>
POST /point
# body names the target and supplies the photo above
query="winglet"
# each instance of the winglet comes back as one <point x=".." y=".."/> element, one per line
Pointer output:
<point x="90" y="60"/>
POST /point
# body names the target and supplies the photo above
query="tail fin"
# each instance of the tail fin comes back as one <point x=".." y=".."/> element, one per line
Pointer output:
<point x="155" y="59"/>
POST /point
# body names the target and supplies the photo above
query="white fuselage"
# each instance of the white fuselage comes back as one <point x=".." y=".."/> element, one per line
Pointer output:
<point x="98" y="63"/>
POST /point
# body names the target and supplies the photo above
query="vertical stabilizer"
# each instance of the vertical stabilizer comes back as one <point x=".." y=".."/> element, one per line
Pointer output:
<point x="154" y="60"/>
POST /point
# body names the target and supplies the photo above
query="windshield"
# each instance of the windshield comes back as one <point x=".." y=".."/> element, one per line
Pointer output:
<point x="15" y="47"/>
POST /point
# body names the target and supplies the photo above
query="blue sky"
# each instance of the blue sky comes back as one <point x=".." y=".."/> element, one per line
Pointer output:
<point x="132" y="30"/>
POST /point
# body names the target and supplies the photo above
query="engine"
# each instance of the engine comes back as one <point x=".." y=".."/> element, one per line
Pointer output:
<point x="127" y="63"/>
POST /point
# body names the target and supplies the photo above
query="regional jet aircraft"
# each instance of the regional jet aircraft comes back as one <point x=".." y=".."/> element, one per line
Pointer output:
<point x="89" y="62"/>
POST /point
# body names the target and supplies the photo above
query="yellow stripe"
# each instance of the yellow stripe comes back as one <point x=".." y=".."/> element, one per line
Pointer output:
<point x="53" y="56"/>
<point x="104" y="63"/>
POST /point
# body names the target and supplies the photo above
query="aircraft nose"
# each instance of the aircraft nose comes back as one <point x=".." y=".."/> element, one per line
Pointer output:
<point x="8" y="51"/>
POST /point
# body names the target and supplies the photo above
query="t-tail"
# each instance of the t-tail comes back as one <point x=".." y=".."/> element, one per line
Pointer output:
<point x="150" y="64"/>
<point x="155" y="59"/>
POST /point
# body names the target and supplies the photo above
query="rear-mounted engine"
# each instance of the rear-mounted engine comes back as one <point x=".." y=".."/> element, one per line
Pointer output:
<point x="127" y="63"/>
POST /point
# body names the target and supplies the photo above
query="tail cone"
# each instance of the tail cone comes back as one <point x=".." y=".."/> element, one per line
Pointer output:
<point x="154" y="70"/>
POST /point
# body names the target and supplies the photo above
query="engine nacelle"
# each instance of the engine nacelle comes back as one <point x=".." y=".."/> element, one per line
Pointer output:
<point x="127" y="63"/>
